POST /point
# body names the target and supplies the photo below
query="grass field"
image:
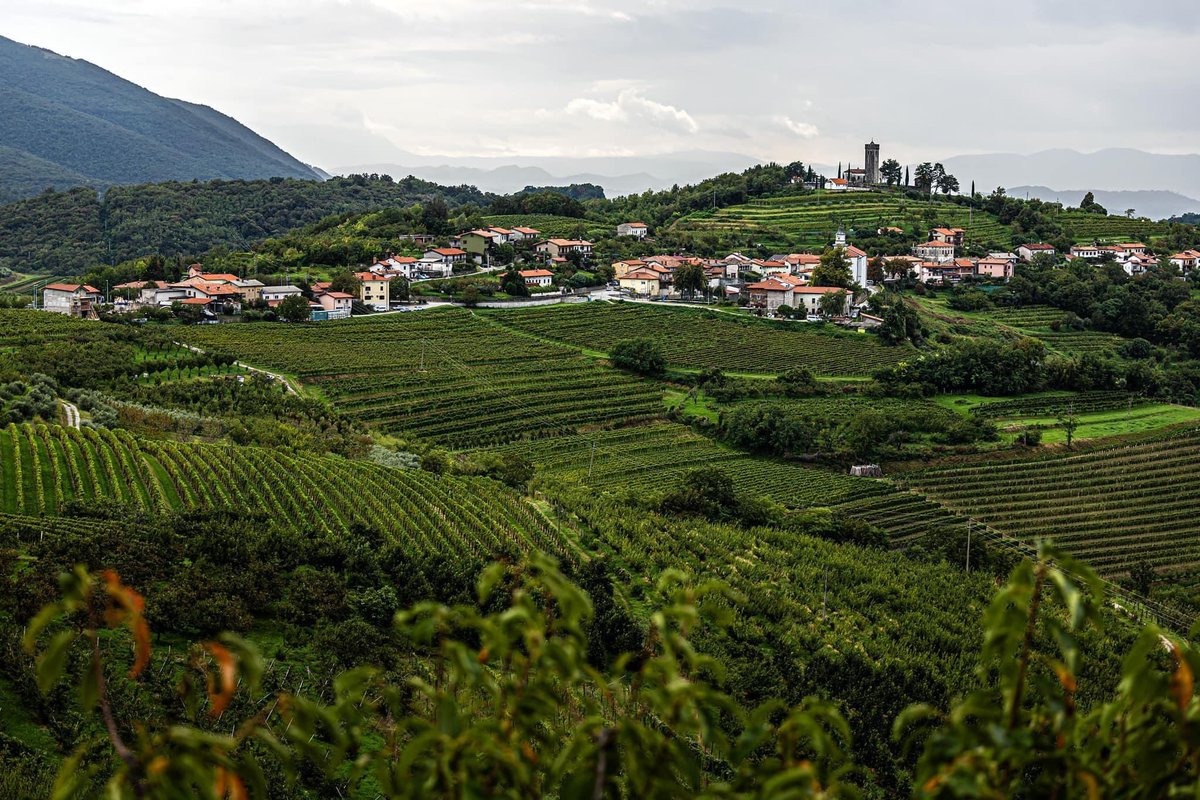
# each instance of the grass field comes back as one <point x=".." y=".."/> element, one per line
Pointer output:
<point x="649" y="459"/>
<point x="1111" y="505"/>
<point x="444" y="375"/>
<point x="699" y="339"/>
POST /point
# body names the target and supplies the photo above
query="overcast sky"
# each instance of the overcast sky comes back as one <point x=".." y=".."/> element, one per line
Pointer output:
<point x="341" y="82"/>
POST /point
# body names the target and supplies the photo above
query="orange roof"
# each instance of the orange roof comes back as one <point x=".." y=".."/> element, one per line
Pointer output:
<point x="635" y="224"/>
<point x="936" y="244"/>
<point x="1187" y="254"/>
<point x="771" y="285"/>
<point x="948" y="231"/>
<point x="536" y="273"/>
<point x="1051" y="247"/>
<point x="570" y="242"/>
<point x="219" y="276"/>
<point x="340" y="295"/>
<point x="640" y="275"/>
<point x="819" y="289"/>
<point x="527" y="230"/>
<point x="854" y="251"/>
<point x="71" y="287"/>
<point x="448" y="251"/>
<point x="501" y="231"/>
<point x="196" y="301"/>
<point x="371" y="276"/>
<point x="839" y="181"/>
<point x="485" y="234"/>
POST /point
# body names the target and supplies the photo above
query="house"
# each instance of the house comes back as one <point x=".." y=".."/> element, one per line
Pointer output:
<point x="801" y="262"/>
<point x="774" y="292"/>
<point x="857" y="260"/>
<point x="1186" y="261"/>
<point x="1090" y="252"/>
<point x="537" y="277"/>
<point x="73" y="299"/>
<point x="217" y="292"/>
<point x="855" y="176"/>
<point x="478" y="242"/>
<point x="418" y="238"/>
<point x="770" y="267"/>
<point x="998" y="268"/>
<point x="335" y="304"/>
<point x="524" y="234"/>
<point x="621" y="268"/>
<point x="889" y="229"/>
<point x="837" y="184"/>
<point x="644" y="282"/>
<point x="404" y="266"/>
<point x="273" y="295"/>
<point x="1138" y="264"/>
<point x="1027" y="252"/>
<point x="952" y="236"/>
<point x="250" y="289"/>
<point x="1134" y="248"/>
<point x="503" y="235"/>
<point x="561" y="248"/>
<point x="374" y="290"/>
<point x="445" y="255"/>
<point x="808" y="299"/>
<point x="934" y="251"/>
<point x="637" y="230"/>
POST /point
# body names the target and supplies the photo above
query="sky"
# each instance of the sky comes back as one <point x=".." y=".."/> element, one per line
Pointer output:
<point x="343" y="82"/>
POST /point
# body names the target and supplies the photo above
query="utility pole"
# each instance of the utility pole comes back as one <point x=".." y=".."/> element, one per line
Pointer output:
<point x="969" y="524"/>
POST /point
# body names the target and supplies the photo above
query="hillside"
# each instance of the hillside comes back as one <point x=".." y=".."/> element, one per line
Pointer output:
<point x="70" y="232"/>
<point x="66" y="122"/>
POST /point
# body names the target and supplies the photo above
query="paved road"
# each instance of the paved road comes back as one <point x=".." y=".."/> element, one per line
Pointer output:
<point x="72" y="412"/>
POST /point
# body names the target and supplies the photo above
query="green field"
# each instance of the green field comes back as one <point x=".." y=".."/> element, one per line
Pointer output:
<point x="43" y="468"/>
<point x="443" y="375"/>
<point x="551" y="226"/>
<point x="699" y="339"/>
<point x="649" y="459"/>
<point x="1111" y="505"/>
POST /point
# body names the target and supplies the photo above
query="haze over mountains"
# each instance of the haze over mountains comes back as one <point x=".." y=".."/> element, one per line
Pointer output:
<point x="66" y="122"/>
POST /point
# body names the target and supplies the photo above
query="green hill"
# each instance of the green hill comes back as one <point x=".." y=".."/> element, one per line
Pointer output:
<point x="67" y="122"/>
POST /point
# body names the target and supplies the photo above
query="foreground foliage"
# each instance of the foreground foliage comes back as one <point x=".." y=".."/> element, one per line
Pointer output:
<point x="502" y="702"/>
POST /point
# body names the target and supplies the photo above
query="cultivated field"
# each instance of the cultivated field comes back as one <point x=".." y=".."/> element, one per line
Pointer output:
<point x="1112" y="506"/>
<point x="699" y="339"/>
<point x="444" y="375"/>
<point x="43" y="468"/>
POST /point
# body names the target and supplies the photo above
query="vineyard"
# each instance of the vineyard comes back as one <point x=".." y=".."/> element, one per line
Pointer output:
<point x="1112" y="506"/>
<point x="444" y="375"/>
<point x="696" y="339"/>
<point x="906" y="516"/>
<point x="1084" y="227"/>
<point x="46" y="467"/>
<point x="1053" y="405"/>
<point x="811" y="220"/>
<point x="651" y="458"/>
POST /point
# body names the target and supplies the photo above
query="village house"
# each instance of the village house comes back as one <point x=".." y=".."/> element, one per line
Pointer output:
<point x="1090" y="252"/>
<point x="858" y="264"/>
<point x="73" y="299"/>
<point x="808" y="299"/>
<point x="837" y="184"/>
<point x="503" y="235"/>
<point x="537" y="277"/>
<point x="766" y="268"/>
<point x="445" y="255"/>
<point x="274" y="295"/>
<point x="524" y="234"/>
<point x="637" y="230"/>
<point x="1186" y="261"/>
<point x="374" y="290"/>
<point x="946" y="272"/>
<point x="418" y="238"/>
<point x="337" y="305"/>
<point x="952" y="236"/>
<point x="1135" y="264"/>
<point x="934" y="251"/>
<point x="561" y="248"/>
<point x="478" y="242"/>
<point x="773" y="293"/>
<point x="997" y="268"/>
<point x="404" y="266"/>
<point x="1027" y="252"/>
<point x="801" y="263"/>
<point x="645" y="282"/>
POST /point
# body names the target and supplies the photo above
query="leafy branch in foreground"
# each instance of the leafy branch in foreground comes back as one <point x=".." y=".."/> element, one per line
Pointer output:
<point x="501" y="701"/>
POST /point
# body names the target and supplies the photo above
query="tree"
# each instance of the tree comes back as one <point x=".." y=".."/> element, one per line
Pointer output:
<point x="1069" y="422"/>
<point x="435" y="216"/>
<point x="833" y="304"/>
<point x="511" y="283"/>
<point x="890" y="170"/>
<point x="294" y="308"/>
<point x="705" y="492"/>
<point x="399" y="288"/>
<point x="875" y="270"/>
<point x="947" y="183"/>
<point x="924" y="177"/>
<point x="345" y="281"/>
<point x="1090" y="205"/>
<point x="642" y="356"/>
<point x="897" y="268"/>
<point x="906" y="180"/>
<point x="470" y="296"/>
<point x="794" y="170"/>
<point x="1129" y="212"/>
<point x="833" y="270"/>
<point x="690" y="278"/>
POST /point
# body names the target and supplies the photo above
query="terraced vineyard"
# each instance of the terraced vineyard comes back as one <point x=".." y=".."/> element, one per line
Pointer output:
<point x="1112" y="505"/>
<point x="445" y="375"/>
<point x="1084" y="227"/>
<point x="698" y="339"/>
<point x="42" y="468"/>
<point x="906" y="516"/>
<point x="1036" y="321"/>
<point x="811" y="220"/>
<point x="650" y="458"/>
<point x="1026" y="316"/>
<point x="919" y="413"/>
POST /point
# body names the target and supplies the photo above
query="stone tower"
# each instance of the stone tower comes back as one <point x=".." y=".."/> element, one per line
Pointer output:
<point x="872" y="163"/>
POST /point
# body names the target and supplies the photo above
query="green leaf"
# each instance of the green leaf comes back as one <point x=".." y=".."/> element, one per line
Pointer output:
<point x="488" y="579"/>
<point x="53" y="660"/>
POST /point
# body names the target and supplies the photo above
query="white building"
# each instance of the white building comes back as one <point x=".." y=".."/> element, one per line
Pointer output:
<point x="73" y="299"/>
<point x="275" y="294"/>
<point x="637" y="230"/>
<point x="537" y="277"/>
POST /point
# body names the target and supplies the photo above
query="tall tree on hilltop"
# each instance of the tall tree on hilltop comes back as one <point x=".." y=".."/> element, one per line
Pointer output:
<point x="834" y="269"/>
<point x="890" y="170"/>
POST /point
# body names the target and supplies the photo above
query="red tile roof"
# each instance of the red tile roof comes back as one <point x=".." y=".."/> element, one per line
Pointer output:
<point x="536" y="273"/>
<point x="71" y="287"/>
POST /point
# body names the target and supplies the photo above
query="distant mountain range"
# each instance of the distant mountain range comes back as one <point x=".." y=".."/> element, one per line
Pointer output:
<point x="619" y="175"/>
<point x="1159" y="184"/>
<point x="1145" y="203"/>
<point x="66" y="122"/>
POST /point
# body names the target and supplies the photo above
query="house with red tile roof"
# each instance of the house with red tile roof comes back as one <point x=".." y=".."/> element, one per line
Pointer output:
<point x="72" y="299"/>
<point x="1186" y="261"/>
<point x="1027" y="252"/>
<point x="637" y="230"/>
<point x="537" y="277"/>
<point x="934" y="251"/>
